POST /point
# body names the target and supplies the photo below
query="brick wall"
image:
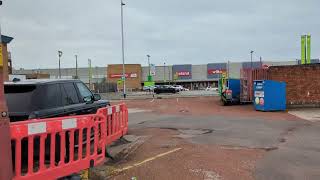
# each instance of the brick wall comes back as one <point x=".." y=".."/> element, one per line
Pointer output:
<point x="303" y="83"/>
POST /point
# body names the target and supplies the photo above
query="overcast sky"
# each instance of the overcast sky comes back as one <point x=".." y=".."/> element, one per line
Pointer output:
<point x="171" y="31"/>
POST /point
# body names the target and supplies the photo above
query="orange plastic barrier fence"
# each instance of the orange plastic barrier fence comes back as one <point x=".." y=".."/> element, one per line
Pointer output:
<point x="57" y="147"/>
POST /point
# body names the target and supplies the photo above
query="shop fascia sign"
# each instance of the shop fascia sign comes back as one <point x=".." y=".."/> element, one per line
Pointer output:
<point x="127" y="75"/>
<point x="216" y="71"/>
<point x="183" y="73"/>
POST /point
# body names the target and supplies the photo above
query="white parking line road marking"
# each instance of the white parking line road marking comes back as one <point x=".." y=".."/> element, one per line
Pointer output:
<point x="147" y="160"/>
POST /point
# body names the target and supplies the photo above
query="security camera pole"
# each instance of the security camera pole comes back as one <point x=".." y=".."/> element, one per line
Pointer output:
<point x="122" y="46"/>
<point x="5" y="139"/>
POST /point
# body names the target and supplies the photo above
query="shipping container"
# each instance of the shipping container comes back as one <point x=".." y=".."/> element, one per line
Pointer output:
<point x="269" y="95"/>
<point x="247" y="76"/>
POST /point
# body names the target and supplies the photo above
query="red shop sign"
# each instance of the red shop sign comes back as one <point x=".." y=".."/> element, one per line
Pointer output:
<point x="128" y="75"/>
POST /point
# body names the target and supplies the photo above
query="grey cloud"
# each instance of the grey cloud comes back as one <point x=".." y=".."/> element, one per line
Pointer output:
<point x="175" y="31"/>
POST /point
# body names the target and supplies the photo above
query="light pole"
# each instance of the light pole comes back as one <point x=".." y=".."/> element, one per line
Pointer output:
<point x="5" y="140"/>
<point x="251" y="52"/>
<point x="164" y="72"/>
<point x="149" y="64"/>
<point x="90" y="72"/>
<point x="59" y="54"/>
<point x="76" y="56"/>
<point x="122" y="47"/>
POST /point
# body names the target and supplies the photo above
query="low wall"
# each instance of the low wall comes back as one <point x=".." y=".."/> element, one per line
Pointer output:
<point x="303" y="83"/>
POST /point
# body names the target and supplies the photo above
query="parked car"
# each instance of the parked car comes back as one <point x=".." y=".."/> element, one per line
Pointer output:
<point x="211" y="88"/>
<point x="148" y="88"/>
<point x="37" y="99"/>
<point x="165" y="89"/>
<point x="178" y="87"/>
<point x="32" y="99"/>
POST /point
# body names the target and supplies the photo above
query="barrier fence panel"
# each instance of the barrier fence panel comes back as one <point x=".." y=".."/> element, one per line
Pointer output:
<point x="57" y="147"/>
<point x="116" y="122"/>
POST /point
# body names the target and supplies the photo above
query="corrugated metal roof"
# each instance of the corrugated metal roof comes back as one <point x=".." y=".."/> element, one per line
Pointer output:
<point x="6" y="39"/>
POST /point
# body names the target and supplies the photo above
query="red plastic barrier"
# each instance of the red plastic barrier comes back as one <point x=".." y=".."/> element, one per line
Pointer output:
<point x="57" y="147"/>
<point x="116" y="121"/>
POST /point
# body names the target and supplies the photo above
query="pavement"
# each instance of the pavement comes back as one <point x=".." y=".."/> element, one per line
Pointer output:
<point x="197" y="138"/>
<point x="150" y="95"/>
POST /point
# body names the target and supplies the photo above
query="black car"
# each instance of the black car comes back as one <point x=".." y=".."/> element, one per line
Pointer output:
<point x="165" y="89"/>
<point x="46" y="99"/>
<point x="31" y="99"/>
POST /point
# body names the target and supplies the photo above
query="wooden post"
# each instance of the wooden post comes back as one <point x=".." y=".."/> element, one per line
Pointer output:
<point x="5" y="143"/>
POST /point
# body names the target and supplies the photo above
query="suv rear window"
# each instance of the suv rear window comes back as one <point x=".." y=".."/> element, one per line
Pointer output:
<point x="19" y="97"/>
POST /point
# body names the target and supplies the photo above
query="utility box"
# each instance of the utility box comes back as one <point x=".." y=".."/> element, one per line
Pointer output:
<point x="269" y="95"/>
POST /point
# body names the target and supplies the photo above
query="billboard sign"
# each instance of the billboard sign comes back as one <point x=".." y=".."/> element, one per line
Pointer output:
<point x="215" y="70"/>
<point x="182" y="72"/>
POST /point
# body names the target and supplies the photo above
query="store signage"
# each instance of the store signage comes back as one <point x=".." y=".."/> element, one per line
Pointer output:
<point x="184" y="73"/>
<point x="127" y="75"/>
<point x="215" y="71"/>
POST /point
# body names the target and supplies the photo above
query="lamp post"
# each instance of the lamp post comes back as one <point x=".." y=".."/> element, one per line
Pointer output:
<point x="76" y="56"/>
<point x="5" y="139"/>
<point x="164" y="72"/>
<point x="149" y="64"/>
<point x="59" y="55"/>
<point x="251" y="52"/>
<point x="122" y="47"/>
<point x="90" y="72"/>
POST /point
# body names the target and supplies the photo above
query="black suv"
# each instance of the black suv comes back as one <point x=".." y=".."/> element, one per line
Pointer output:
<point x="31" y="99"/>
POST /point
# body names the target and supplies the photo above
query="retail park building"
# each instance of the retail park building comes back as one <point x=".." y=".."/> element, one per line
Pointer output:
<point x="190" y="76"/>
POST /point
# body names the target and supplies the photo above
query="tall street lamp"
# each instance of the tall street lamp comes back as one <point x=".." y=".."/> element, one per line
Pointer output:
<point x="60" y="54"/>
<point x="90" y="72"/>
<point x="251" y="52"/>
<point x="149" y="64"/>
<point x="164" y="72"/>
<point x="76" y="56"/>
<point x="122" y="46"/>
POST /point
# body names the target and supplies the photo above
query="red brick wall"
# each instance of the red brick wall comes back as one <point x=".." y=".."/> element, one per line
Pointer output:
<point x="303" y="83"/>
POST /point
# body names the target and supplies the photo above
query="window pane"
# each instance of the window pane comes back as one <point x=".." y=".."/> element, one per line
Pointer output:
<point x="70" y="95"/>
<point x="48" y="96"/>
<point x="84" y="91"/>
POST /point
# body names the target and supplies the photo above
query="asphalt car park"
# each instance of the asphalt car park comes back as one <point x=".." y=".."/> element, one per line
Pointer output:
<point x="197" y="138"/>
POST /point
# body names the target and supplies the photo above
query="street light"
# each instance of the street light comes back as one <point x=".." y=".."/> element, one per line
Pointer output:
<point x="251" y="52"/>
<point x="90" y="72"/>
<point x="149" y="64"/>
<point x="122" y="46"/>
<point x="59" y="54"/>
<point x="164" y="72"/>
<point x="76" y="56"/>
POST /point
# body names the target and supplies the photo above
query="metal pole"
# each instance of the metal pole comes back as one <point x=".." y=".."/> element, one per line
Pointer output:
<point x="149" y="64"/>
<point x="5" y="139"/>
<point x="59" y="69"/>
<point x="251" y="58"/>
<point x="59" y="55"/>
<point x="76" y="66"/>
<point x="164" y="72"/>
<point x="122" y="46"/>
<point x="90" y="73"/>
